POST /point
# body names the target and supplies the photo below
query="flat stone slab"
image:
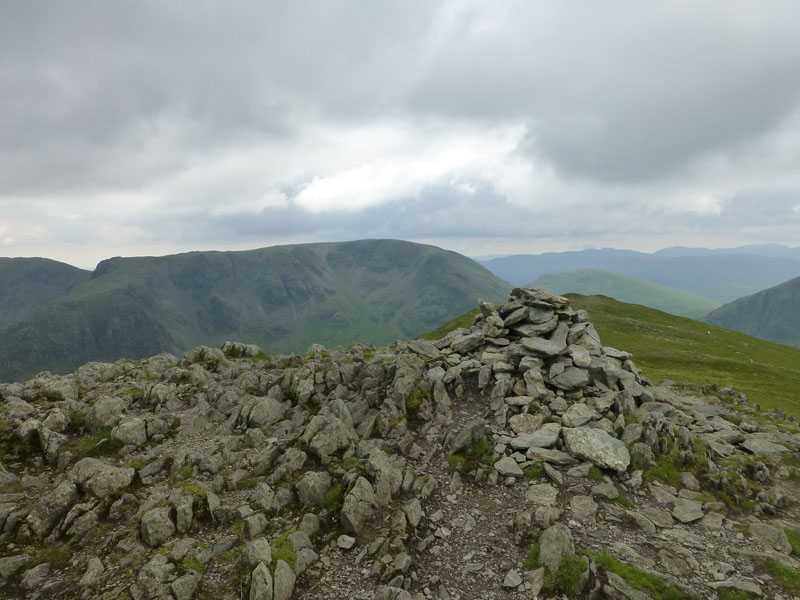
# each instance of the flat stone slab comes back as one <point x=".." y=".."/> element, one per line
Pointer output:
<point x="508" y="466"/>
<point x="687" y="511"/>
<point x="542" y="494"/>
<point x="598" y="447"/>
<point x="542" y="438"/>
<point x="759" y="446"/>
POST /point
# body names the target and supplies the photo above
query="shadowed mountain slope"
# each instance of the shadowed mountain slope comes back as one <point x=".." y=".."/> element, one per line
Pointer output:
<point x="770" y="314"/>
<point x="282" y="298"/>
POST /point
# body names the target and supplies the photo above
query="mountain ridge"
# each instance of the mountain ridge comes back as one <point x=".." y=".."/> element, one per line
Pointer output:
<point x="283" y="297"/>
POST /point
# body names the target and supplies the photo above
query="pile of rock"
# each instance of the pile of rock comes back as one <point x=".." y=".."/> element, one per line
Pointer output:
<point x="421" y="470"/>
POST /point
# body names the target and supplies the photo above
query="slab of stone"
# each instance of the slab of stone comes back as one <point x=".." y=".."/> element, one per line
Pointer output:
<point x="771" y="537"/>
<point x="508" y="466"/>
<point x="584" y="508"/>
<point x="555" y="457"/>
<point x="525" y="423"/>
<point x="597" y="446"/>
<point x="761" y="446"/>
<point x="687" y="511"/>
<point x="542" y="494"/>
<point x="541" y="438"/>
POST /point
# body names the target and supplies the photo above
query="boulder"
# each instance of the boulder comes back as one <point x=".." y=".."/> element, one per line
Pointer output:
<point x="358" y="506"/>
<point x="597" y="446"/>
<point x="157" y="526"/>
<point x="554" y="544"/>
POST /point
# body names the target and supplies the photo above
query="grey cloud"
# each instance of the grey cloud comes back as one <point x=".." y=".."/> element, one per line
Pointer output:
<point x="621" y="100"/>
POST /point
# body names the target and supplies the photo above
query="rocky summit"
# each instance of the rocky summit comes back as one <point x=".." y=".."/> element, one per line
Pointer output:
<point x="517" y="459"/>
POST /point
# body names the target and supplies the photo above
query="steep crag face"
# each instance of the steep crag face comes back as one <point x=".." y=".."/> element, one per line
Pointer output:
<point x="517" y="459"/>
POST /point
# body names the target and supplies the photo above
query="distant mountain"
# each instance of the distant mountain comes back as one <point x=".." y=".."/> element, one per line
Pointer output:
<point x="721" y="275"/>
<point x="771" y="314"/>
<point x="774" y="250"/>
<point x="589" y="282"/>
<point x="282" y="298"/>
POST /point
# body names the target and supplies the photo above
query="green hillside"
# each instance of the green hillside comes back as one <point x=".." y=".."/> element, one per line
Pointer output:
<point x="665" y="346"/>
<point x="628" y="289"/>
<point x="283" y="298"/>
<point x="770" y="314"/>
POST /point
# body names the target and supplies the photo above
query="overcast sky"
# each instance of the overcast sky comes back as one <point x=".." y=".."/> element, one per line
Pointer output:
<point x="131" y="128"/>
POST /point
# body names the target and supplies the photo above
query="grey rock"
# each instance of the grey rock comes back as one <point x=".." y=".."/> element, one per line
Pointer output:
<point x="313" y="486"/>
<point x="256" y="524"/>
<point x="266" y="412"/>
<point x="771" y="537"/>
<point x="761" y="446"/>
<point x="467" y="343"/>
<point x="345" y="542"/>
<point x="554" y="544"/>
<point x="284" y="581"/>
<point x="414" y="513"/>
<point x="642" y="522"/>
<point x="687" y="511"/>
<point x="524" y="422"/>
<point x="578" y="414"/>
<point x="512" y="579"/>
<point x="642" y="456"/>
<point x="157" y="526"/>
<point x="542" y="494"/>
<point x="52" y="507"/>
<point x="508" y="466"/>
<point x="556" y="457"/>
<point x="334" y="436"/>
<point x="33" y="578"/>
<point x="256" y="551"/>
<point x="100" y="478"/>
<point x="572" y="378"/>
<point x="93" y="574"/>
<point x="10" y="565"/>
<point x="597" y="446"/>
<point x="105" y="412"/>
<point x="738" y="583"/>
<point x="632" y="433"/>
<point x="185" y="586"/>
<point x="130" y="431"/>
<point x="584" y="508"/>
<point x="472" y="432"/>
<point x="535" y="581"/>
<point x="358" y="506"/>
<point x="261" y="585"/>
<point x="542" y="438"/>
<point x="554" y="346"/>
<point x="154" y="576"/>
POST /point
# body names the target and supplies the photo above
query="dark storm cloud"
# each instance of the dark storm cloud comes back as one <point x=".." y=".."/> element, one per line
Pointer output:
<point x="151" y="122"/>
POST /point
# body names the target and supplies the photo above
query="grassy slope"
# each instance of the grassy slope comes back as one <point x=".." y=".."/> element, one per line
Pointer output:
<point x="628" y="289"/>
<point x="770" y="314"/>
<point x="665" y="346"/>
<point x="282" y="298"/>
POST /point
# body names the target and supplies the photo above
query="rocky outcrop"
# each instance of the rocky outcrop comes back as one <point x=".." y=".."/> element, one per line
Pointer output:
<point x="497" y="462"/>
